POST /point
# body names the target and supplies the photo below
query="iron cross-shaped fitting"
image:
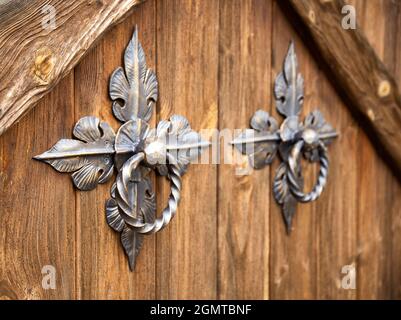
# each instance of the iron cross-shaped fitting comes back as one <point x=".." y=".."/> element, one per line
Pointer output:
<point x="133" y="152"/>
<point x="292" y="139"/>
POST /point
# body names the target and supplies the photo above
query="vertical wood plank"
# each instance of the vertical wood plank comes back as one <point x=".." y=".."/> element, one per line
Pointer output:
<point x="371" y="220"/>
<point x="37" y="207"/>
<point x="379" y="190"/>
<point x="337" y="206"/>
<point x="337" y="210"/>
<point x="103" y="271"/>
<point x="187" y="68"/>
<point x="244" y="87"/>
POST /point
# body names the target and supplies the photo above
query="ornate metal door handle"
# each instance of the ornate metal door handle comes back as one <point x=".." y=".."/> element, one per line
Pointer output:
<point x="293" y="167"/>
<point x="292" y="139"/>
<point x="134" y="151"/>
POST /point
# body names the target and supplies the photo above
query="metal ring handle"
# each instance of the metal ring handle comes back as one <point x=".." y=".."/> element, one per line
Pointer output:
<point x="171" y="208"/>
<point x="124" y="179"/>
<point x="293" y="176"/>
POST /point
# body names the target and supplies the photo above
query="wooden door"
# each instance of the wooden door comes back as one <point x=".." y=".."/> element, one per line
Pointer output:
<point x="216" y="62"/>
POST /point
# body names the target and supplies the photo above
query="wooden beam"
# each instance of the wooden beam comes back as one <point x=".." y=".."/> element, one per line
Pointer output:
<point x="359" y="73"/>
<point x="36" y="52"/>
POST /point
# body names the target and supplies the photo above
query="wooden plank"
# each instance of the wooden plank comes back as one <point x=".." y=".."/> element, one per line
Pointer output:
<point x="243" y="200"/>
<point x="372" y="198"/>
<point x="103" y="271"/>
<point x="336" y="208"/>
<point x="187" y="69"/>
<point x="372" y="91"/>
<point x="34" y="58"/>
<point x="37" y="204"/>
<point x="379" y="190"/>
<point x="293" y="258"/>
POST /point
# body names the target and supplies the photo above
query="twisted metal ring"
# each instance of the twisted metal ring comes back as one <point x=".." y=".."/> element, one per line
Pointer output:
<point x="171" y="208"/>
<point x="174" y="175"/>
<point x="293" y="177"/>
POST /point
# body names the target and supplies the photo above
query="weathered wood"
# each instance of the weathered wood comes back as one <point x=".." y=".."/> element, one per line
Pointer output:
<point x="357" y="70"/>
<point x="187" y="69"/>
<point x="244" y="87"/>
<point x="337" y="207"/>
<point x="34" y="58"/>
<point x="378" y="190"/>
<point x="37" y="206"/>
<point x="103" y="271"/>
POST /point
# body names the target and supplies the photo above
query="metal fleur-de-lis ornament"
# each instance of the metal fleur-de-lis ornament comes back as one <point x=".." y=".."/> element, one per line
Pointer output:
<point x="291" y="139"/>
<point x="134" y="151"/>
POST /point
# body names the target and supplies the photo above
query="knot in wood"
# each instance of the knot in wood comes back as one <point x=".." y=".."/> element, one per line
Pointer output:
<point x="384" y="89"/>
<point x="312" y="16"/>
<point x="44" y="64"/>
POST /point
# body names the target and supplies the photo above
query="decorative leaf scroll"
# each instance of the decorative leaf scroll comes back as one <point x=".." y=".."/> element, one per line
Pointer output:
<point x="132" y="244"/>
<point x="325" y="133"/>
<point x="132" y="202"/>
<point x="262" y="141"/>
<point x="259" y="143"/>
<point x="130" y="139"/>
<point x="289" y="86"/>
<point x="173" y="142"/>
<point x="130" y="239"/>
<point x="90" y="157"/>
<point x="283" y="195"/>
<point x="134" y="91"/>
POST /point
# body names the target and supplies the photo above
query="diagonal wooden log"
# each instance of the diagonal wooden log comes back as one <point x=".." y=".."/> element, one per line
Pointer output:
<point x="37" y="51"/>
<point x="370" y="89"/>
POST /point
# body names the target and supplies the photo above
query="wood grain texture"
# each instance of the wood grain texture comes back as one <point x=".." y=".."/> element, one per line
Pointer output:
<point x="379" y="193"/>
<point x="373" y="223"/>
<point x="37" y="205"/>
<point x="337" y="209"/>
<point x="103" y="271"/>
<point x="244" y="87"/>
<point x="33" y="58"/>
<point x="187" y="69"/>
<point x="372" y="91"/>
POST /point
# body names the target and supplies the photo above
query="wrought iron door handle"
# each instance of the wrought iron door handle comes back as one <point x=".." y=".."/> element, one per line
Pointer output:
<point x="124" y="180"/>
<point x="134" y="151"/>
<point x="292" y="139"/>
<point x="294" y="172"/>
